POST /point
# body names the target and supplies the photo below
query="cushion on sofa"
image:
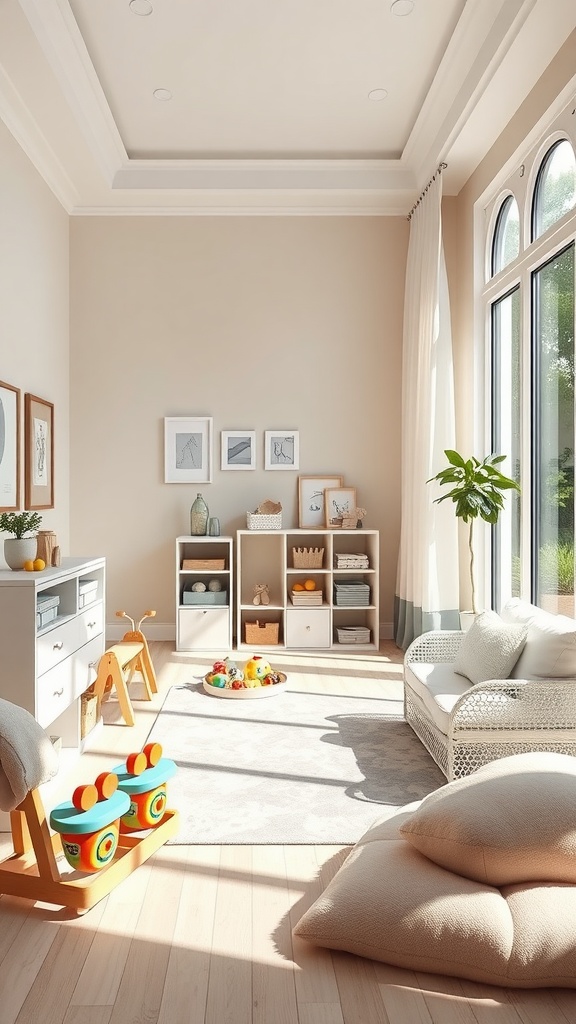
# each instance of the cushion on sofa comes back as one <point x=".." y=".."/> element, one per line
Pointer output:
<point x="550" y="649"/>
<point x="390" y="903"/>
<point x="438" y="687"/>
<point x="512" y="821"/>
<point x="490" y="648"/>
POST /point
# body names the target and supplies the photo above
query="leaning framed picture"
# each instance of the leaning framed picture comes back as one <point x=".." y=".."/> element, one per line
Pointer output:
<point x="9" y="448"/>
<point x="281" y="449"/>
<point x="311" y="507"/>
<point x="238" y="449"/>
<point x="188" y="449"/>
<point x="38" y="453"/>
<point x="339" y="502"/>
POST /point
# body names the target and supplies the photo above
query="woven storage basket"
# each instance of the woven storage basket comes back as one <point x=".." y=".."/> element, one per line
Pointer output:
<point x="307" y="558"/>
<point x="257" y="521"/>
<point x="88" y="713"/>
<point x="258" y="633"/>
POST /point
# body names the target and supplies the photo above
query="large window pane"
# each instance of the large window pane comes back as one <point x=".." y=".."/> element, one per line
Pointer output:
<point x="553" y="347"/>
<point x="555" y="189"/>
<point x="506" y="430"/>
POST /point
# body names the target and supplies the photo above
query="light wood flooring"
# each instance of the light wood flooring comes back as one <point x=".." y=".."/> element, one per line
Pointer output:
<point x="202" y="934"/>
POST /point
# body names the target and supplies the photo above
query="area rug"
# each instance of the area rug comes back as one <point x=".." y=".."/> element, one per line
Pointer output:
<point x="295" y="768"/>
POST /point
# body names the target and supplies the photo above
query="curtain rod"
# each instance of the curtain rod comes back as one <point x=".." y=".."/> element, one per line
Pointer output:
<point x="441" y="167"/>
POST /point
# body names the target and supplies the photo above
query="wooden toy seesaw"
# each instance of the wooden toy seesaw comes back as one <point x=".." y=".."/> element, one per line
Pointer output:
<point x="89" y="829"/>
<point x="119" y="663"/>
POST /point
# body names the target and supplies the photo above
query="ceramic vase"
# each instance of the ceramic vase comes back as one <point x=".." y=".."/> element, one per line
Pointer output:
<point x="199" y="517"/>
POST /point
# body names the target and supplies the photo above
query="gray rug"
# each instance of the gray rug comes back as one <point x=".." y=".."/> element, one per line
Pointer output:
<point x="294" y="768"/>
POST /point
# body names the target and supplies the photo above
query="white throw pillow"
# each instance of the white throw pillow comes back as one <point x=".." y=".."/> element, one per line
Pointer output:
<point x="490" y="648"/>
<point x="550" y="650"/>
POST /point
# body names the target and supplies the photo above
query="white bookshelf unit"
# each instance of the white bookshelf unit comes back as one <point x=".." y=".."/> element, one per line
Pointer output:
<point x="266" y="556"/>
<point x="204" y="620"/>
<point x="48" y="663"/>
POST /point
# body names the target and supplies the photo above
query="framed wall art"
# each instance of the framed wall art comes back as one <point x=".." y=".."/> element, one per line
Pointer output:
<point x="339" y="501"/>
<point x="38" y="453"/>
<point x="281" y="449"/>
<point x="188" y="449"/>
<point x="9" y="448"/>
<point x="311" y="507"/>
<point x="238" y="449"/>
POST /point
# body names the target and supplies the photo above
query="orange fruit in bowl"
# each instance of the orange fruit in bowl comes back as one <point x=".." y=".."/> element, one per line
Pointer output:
<point x="39" y="564"/>
<point x="309" y="585"/>
<point x="297" y="586"/>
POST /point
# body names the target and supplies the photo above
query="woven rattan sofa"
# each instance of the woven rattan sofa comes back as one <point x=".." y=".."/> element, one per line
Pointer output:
<point x="464" y="726"/>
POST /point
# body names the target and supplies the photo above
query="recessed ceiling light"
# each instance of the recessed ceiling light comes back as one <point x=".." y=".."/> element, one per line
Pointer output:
<point x="141" y="7"/>
<point x="162" y="94"/>
<point x="378" y="94"/>
<point x="402" y="7"/>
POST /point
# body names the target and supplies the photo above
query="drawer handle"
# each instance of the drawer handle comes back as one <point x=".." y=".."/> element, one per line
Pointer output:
<point x="58" y="646"/>
<point x="307" y="629"/>
<point x="90" y="625"/>
<point x="58" y="693"/>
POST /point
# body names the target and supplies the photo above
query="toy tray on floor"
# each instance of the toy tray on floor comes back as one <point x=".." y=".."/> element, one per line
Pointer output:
<point x="248" y="693"/>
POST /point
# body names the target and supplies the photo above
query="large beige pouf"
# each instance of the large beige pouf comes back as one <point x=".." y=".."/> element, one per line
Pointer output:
<point x="390" y="902"/>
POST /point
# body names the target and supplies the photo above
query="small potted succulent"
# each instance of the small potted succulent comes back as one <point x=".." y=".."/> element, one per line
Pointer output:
<point x="20" y="548"/>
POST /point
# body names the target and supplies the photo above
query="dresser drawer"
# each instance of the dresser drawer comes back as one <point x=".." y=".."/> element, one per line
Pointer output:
<point x="308" y="627"/>
<point x="57" y="688"/>
<point x="91" y="622"/>
<point x="57" y="644"/>
<point x="203" y="628"/>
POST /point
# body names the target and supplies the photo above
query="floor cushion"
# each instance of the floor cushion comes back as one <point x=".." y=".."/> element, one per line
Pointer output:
<point x="391" y="903"/>
<point x="512" y="821"/>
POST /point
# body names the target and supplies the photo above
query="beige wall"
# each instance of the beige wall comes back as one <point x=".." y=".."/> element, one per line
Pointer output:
<point x="34" y="314"/>
<point x="258" y="322"/>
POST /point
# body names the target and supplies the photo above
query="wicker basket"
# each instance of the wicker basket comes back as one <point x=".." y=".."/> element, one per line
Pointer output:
<point x="307" y="558"/>
<point x="257" y="521"/>
<point x="88" y="713"/>
<point x="260" y="633"/>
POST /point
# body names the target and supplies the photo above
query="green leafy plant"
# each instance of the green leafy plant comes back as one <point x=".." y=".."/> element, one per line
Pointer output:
<point x="19" y="523"/>
<point x="476" y="490"/>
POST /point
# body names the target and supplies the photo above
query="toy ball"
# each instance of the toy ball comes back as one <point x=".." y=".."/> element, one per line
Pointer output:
<point x="256" y="668"/>
<point x="199" y="587"/>
<point x="219" y="679"/>
<point x="214" y="586"/>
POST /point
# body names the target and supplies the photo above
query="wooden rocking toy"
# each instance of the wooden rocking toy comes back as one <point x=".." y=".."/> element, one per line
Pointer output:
<point x="119" y="663"/>
<point x="27" y="760"/>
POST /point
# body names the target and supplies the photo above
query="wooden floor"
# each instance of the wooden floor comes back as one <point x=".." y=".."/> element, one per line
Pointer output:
<point x="202" y="934"/>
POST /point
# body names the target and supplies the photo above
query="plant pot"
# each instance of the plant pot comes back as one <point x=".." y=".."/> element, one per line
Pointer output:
<point x="466" y="620"/>
<point x="18" y="550"/>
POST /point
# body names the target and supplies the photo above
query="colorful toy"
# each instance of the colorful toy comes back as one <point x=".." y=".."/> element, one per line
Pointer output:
<point x="143" y="779"/>
<point x="227" y="680"/>
<point x="89" y="824"/>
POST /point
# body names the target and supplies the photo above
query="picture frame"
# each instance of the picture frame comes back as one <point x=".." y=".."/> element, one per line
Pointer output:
<point x="238" y="449"/>
<point x="9" y="447"/>
<point x="281" y="449"/>
<point x="311" y="500"/>
<point x="338" y="500"/>
<point x="188" y="449"/>
<point x="38" y="453"/>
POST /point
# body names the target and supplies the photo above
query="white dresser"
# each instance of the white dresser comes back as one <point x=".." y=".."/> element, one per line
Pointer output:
<point x="46" y="665"/>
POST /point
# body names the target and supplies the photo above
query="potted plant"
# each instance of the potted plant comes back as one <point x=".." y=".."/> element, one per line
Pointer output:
<point x="20" y="548"/>
<point x="477" y="492"/>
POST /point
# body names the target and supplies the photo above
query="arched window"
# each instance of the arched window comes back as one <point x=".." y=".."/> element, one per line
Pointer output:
<point x="506" y="241"/>
<point x="555" y="188"/>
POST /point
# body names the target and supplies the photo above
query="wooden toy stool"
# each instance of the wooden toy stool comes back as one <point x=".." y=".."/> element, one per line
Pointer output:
<point x="119" y="663"/>
<point x="34" y="870"/>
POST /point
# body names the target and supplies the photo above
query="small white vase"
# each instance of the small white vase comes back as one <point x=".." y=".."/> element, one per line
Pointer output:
<point x="18" y="550"/>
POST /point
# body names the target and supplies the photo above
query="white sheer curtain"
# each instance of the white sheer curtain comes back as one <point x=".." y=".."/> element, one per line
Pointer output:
<point x="427" y="582"/>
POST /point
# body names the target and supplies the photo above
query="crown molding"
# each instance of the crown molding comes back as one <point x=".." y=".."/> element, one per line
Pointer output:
<point x="56" y="30"/>
<point x="30" y="138"/>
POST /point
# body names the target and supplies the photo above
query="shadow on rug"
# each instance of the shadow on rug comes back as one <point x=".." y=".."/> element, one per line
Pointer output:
<point x="296" y="768"/>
